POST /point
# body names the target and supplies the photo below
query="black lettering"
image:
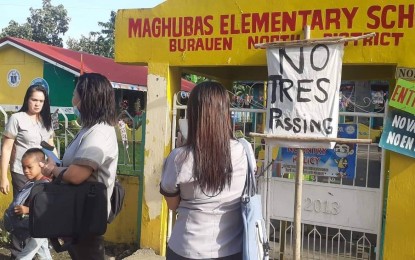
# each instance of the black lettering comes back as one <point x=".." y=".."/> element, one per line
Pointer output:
<point x="315" y="124"/>
<point x="273" y="113"/>
<point x="322" y="90"/>
<point x="297" y="126"/>
<point x="301" y="89"/>
<point x="288" y="124"/>
<point x="284" y="90"/>
<point x="328" y="129"/>
<point x="401" y="73"/>
<point x="277" y="81"/>
<point x="273" y="80"/>
<point x="305" y="126"/>
<point x="283" y="54"/>
<point x="312" y="57"/>
<point x="278" y="123"/>
<point x="409" y="73"/>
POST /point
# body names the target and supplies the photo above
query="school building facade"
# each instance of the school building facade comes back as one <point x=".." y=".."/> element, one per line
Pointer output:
<point x="217" y="39"/>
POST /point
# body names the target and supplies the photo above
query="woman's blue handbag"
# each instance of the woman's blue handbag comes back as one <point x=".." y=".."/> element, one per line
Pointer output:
<point x="255" y="239"/>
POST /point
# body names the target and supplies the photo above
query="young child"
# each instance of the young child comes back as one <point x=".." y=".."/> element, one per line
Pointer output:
<point x="16" y="216"/>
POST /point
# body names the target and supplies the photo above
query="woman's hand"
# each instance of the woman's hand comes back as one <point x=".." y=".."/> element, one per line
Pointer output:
<point x="20" y="210"/>
<point x="172" y="202"/>
<point x="4" y="185"/>
<point x="6" y="151"/>
<point x="47" y="167"/>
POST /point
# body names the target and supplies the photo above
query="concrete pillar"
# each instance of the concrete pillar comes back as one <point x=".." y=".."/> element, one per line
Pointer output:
<point x="162" y="83"/>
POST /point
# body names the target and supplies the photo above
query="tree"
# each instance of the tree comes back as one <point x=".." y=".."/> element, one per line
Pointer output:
<point x="14" y="29"/>
<point x="193" y="78"/>
<point x="49" y="24"/>
<point x="45" y="25"/>
<point x="242" y="94"/>
<point x="99" y="43"/>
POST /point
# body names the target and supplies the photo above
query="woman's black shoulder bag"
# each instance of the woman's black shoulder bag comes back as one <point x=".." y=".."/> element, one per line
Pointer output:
<point x="65" y="210"/>
<point x="117" y="200"/>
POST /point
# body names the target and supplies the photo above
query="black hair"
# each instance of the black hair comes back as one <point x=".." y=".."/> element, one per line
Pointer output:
<point x="37" y="152"/>
<point x="97" y="99"/>
<point x="209" y="135"/>
<point x="45" y="112"/>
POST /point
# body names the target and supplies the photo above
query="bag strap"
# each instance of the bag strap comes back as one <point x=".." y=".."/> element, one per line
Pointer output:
<point x="250" y="183"/>
<point x="23" y="195"/>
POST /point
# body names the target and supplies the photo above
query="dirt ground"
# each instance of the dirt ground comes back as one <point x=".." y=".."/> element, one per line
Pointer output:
<point x="113" y="252"/>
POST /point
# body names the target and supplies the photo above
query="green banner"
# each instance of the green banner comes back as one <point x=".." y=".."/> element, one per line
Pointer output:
<point x="403" y="97"/>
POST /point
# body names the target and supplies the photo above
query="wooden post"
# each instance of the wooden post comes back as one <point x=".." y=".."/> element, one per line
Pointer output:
<point x="297" y="204"/>
<point x="299" y="188"/>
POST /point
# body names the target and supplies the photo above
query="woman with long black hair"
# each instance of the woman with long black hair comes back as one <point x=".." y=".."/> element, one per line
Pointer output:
<point x="203" y="180"/>
<point x="25" y="129"/>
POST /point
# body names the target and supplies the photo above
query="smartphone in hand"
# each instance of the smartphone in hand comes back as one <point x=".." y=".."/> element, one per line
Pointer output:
<point x="48" y="150"/>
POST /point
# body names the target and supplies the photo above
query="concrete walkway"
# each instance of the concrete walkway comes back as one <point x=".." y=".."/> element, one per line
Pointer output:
<point x="144" y="254"/>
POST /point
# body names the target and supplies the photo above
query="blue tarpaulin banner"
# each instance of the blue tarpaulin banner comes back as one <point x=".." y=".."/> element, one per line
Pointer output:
<point x="337" y="162"/>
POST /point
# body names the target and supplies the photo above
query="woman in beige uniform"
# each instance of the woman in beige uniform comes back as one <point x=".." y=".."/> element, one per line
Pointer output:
<point x="203" y="180"/>
<point x="93" y="154"/>
<point x="25" y="129"/>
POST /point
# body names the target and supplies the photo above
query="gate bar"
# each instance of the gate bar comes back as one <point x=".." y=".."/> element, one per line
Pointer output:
<point x="299" y="176"/>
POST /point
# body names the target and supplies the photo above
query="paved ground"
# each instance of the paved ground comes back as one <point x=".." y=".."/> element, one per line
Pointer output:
<point x="113" y="251"/>
<point x="112" y="254"/>
<point x="144" y="254"/>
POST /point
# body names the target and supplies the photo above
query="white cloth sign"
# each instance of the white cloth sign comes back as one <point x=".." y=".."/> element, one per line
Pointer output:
<point x="303" y="92"/>
<point x="123" y="131"/>
<point x="55" y="120"/>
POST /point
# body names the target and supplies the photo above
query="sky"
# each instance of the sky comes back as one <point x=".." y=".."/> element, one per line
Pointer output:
<point x="84" y="14"/>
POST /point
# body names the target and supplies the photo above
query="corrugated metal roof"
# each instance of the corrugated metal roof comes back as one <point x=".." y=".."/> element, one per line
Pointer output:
<point x="73" y="61"/>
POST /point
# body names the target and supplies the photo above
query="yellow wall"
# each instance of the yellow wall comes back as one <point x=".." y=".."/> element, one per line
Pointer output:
<point x="400" y="215"/>
<point x="230" y="25"/>
<point x="29" y="67"/>
<point x="124" y="227"/>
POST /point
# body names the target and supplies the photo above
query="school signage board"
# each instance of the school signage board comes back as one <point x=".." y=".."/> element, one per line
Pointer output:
<point x="216" y="33"/>
<point x="303" y="92"/>
<point x="403" y="96"/>
<point x="405" y="73"/>
<point x="398" y="133"/>
<point x="339" y="162"/>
